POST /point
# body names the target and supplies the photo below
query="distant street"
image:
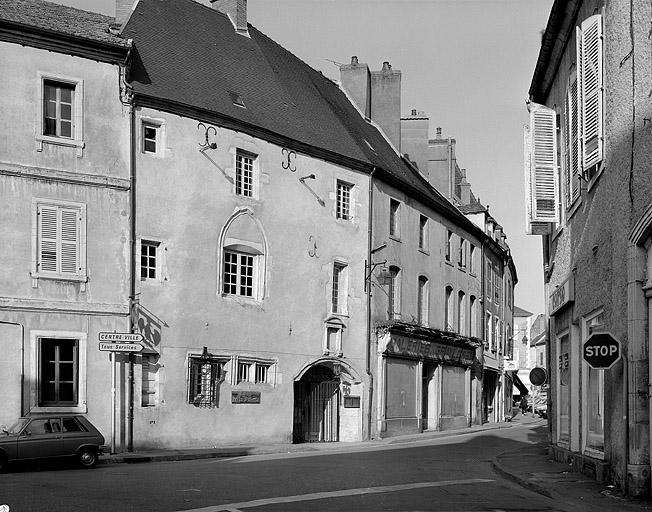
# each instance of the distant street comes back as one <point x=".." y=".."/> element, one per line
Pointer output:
<point x="451" y="474"/>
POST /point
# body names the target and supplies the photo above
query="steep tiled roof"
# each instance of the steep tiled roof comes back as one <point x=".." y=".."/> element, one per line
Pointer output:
<point x="190" y="55"/>
<point x="55" y="18"/>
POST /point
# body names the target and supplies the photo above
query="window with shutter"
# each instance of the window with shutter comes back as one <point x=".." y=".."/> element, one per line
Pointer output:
<point x="59" y="240"/>
<point x="590" y="88"/>
<point x="541" y="169"/>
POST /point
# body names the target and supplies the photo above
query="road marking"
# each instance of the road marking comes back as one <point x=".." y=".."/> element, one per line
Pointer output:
<point x="235" y="507"/>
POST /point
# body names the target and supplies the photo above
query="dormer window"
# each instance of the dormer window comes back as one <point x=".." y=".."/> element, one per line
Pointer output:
<point x="237" y="99"/>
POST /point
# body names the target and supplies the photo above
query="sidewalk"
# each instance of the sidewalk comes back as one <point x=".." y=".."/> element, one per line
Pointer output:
<point x="530" y="467"/>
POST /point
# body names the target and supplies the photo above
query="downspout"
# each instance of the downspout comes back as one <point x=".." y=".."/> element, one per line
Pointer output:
<point x="451" y="167"/>
<point x="368" y="290"/>
<point x="132" y="267"/>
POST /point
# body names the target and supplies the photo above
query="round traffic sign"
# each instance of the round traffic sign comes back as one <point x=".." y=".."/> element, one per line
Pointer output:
<point x="601" y="350"/>
<point x="538" y="376"/>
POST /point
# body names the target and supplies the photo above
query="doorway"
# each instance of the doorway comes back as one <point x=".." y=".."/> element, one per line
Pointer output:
<point x="317" y="406"/>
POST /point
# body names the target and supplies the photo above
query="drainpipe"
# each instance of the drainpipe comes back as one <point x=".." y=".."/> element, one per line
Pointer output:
<point x="368" y="286"/>
<point x="22" y="363"/>
<point x="132" y="267"/>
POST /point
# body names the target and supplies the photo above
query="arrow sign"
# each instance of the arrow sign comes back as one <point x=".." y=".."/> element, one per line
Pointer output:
<point x="120" y="347"/>
<point x="120" y="337"/>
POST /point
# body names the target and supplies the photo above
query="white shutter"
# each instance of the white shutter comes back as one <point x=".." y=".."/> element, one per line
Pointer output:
<point x="69" y="241"/>
<point x="589" y="59"/>
<point x="542" y="170"/>
<point x="47" y="238"/>
<point x="58" y="239"/>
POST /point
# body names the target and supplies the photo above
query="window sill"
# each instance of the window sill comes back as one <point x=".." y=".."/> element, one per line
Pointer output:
<point x="449" y="262"/>
<point x="58" y="277"/>
<point x="58" y="141"/>
<point x="424" y="251"/>
<point x="395" y="238"/>
<point x="63" y="409"/>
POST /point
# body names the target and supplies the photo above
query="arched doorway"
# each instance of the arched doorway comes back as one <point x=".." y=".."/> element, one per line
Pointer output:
<point x="317" y="406"/>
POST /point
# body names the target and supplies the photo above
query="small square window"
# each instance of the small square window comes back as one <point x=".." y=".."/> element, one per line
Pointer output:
<point x="343" y="201"/>
<point x="262" y="373"/>
<point x="151" y="136"/>
<point x="243" y="371"/>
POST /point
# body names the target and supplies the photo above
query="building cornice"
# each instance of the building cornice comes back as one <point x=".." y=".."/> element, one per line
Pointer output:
<point x="51" y="306"/>
<point x="27" y="35"/>
<point x="73" y="178"/>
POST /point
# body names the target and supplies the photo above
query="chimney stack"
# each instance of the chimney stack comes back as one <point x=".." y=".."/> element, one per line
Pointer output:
<point x="236" y="10"/>
<point x="386" y="102"/>
<point x="123" y="10"/>
<point x="356" y="81"/>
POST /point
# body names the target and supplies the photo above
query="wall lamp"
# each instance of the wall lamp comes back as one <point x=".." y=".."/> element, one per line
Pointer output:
<point x="309" y="177"/>
<point x="383" y="278"/>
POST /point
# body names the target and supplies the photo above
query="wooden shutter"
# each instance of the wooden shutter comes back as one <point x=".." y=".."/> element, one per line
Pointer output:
<point x="58" y="239"/>
<point x="69" y="241"/>
<point x="47" y="238"/>
<point x="542" y="172"/>
<point x="589" y="59"/>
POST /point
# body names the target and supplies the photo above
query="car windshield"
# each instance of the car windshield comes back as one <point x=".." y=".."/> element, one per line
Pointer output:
<point x="17" y="427"/>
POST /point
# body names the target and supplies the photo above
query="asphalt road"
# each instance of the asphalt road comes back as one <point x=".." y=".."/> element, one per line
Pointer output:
<point x="447" y="474"/>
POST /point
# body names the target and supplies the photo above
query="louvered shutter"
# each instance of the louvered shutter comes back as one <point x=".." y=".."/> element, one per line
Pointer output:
<point x="69" y="241"/>
<point x="589" y="58"/>
<point x="542" y="170"/>
<point x="47" y="238"/>
<point x="58" y="239"/>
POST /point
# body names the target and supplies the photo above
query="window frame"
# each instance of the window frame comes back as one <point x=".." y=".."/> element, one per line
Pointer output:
<point x="449" y="310"/>
<point x="254" y="277"/>
<point x="158" y="125"/>
<point x="449" y="247"/>
<point x="77" y="112"/>
<point x="394" y="218"/>
<point x="394" y="293"/>
<point x="423" y="233"/>
<point x="343" y="200"/>
<point x="245" y="177"/>
<point x="339" y="288"/>
<point x="423" y="300"/>
<point x="156" y="246"/>
<point x="80" y="275"/>
<point x="79" y="406"/>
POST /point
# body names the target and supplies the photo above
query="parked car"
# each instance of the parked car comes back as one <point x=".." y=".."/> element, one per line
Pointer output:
<point x="51" y="436"/>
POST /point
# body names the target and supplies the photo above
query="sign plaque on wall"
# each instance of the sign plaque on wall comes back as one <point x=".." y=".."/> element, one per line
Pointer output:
<point x="245" y="397"/>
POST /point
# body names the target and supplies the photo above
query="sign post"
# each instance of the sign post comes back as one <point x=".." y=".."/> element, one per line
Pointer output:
<point x="601" y="350"/>
<point x="114" y="342"/>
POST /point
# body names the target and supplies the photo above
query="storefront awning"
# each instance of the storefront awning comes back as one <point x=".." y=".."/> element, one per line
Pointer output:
<point x="518" y="384"/>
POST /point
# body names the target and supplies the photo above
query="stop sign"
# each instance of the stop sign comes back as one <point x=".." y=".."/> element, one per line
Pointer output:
<point x="601" y="350"/>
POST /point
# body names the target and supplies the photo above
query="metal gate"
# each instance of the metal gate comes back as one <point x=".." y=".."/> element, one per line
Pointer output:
<point x="318" y="411"/>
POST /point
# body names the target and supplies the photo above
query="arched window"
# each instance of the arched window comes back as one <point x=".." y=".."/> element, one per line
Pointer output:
<point x="394" y="294"/>
<point x="242" y="257"/>
<point x="422" y="301"/>
<point x="448" y="310"/>
<point x="461" y="313"/>
<point x="473" y="308"/>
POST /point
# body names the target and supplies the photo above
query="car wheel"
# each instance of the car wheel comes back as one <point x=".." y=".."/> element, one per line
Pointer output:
<point x="87" y="458"/>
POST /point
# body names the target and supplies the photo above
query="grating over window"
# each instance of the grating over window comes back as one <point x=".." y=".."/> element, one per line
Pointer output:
<point x="205" y="375"/>
<point x="243" y="371"/>
<point x="262" y="371"/>
<point x="343" y="201"/>
<point x="244" y="175"/>
<point x="238" y="274"/>
<point x="58" y="109"/>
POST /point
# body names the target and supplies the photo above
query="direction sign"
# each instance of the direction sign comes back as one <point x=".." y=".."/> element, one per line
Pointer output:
<point x="120" y="337"/>
<point x="120" y="347"/>
<point x="601" y="350"/>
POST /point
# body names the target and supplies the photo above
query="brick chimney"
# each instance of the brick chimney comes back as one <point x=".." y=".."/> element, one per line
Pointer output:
<point x="414" y="138"/>
<point x="123" y="10"/>
<point x="236" y="10"/>
<point x="356" y="81"/>
<point x="386" y="102"/>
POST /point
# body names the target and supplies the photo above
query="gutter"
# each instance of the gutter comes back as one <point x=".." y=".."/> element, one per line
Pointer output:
<point x="370" y="392"/>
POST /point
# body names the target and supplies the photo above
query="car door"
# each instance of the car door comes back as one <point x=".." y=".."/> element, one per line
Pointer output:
<point x="40" y="439"/>
<point x="75" y="435"/>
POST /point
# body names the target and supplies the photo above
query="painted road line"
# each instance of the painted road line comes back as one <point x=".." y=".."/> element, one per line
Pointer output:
<point x="234" y="507"/>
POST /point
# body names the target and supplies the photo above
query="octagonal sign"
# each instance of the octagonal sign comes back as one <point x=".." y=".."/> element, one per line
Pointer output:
<point x="601" y="350"/>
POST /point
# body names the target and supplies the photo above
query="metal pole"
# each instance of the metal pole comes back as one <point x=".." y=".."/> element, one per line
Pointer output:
<point x="112" y="402"/>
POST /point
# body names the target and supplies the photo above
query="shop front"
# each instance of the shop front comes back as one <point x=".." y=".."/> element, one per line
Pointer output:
<point x="424" y="378"/>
